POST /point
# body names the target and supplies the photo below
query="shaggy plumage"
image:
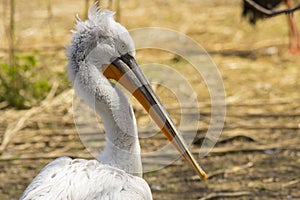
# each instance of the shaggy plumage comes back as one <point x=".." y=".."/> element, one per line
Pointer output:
<point x="96" y="43"/>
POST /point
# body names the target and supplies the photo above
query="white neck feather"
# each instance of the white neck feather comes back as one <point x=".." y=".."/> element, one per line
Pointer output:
<point x="122" y="148"/>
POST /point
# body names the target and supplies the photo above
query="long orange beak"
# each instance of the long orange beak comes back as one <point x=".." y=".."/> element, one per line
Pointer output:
<point x="127" y="72"/>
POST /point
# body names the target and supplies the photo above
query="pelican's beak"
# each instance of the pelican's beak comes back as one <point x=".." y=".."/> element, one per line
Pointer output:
<point x="127" y="72"/>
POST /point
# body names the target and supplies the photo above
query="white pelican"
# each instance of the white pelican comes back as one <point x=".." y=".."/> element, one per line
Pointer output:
<point x="101" y="50"/>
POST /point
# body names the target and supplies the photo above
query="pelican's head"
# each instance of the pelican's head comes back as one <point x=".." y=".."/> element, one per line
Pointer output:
<point x="98" y="41"/>
<point x="104" y="48"/>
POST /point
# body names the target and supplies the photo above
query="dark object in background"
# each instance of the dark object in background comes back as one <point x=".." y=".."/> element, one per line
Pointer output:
<point x="253" y="14"/>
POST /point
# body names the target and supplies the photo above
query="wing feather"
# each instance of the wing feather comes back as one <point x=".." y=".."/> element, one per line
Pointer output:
<point x="67" y="178"/>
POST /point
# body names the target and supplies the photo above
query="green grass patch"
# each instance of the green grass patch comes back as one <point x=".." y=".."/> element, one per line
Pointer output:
<point x="22" y="86"/>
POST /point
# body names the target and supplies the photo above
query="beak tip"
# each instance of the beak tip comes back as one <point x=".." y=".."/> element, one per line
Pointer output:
<point x="204" y="176"/>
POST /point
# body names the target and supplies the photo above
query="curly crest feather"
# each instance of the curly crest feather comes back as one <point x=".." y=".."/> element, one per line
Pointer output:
<point x="85" y="37"/>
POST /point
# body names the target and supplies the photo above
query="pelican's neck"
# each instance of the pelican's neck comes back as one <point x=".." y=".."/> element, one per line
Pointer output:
<point x="122" y="148"/>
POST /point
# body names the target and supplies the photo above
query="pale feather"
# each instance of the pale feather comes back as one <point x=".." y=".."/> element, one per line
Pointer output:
<point x="80" y="179"/>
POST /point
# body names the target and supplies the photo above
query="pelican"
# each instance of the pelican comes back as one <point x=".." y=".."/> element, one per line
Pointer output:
<point x="102" y="50"/>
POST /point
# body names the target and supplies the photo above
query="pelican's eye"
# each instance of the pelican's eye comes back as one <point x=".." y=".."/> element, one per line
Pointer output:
<point x="121" y="47"/>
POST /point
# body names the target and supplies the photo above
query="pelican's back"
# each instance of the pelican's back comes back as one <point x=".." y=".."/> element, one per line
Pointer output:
<point x="67" y="178"/>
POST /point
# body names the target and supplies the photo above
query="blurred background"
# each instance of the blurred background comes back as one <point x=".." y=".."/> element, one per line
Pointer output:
<point x="257" y="155"/>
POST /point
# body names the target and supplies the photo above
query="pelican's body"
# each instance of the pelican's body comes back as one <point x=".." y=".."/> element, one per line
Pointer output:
<point x="66" y="178"/>
<point x="102" y="49"/>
